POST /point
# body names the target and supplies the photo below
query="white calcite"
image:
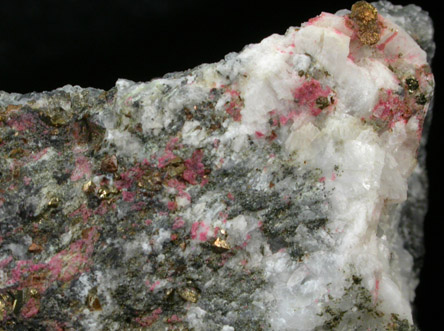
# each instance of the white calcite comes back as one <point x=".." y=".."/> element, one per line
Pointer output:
<point x="362" y="159"/>
<point x="267" y="191"/>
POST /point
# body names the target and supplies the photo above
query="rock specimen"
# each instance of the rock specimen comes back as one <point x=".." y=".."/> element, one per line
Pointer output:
<point x="264" y="192"/>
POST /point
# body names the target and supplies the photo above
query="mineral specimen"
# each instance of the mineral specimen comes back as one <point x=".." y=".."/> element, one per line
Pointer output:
<point x="264" y="192"/>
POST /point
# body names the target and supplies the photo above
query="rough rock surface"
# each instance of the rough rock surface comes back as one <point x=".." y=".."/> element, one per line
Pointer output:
<point x="264" y="192"/>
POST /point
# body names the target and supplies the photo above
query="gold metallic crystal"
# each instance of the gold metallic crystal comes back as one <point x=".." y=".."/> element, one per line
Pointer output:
<point x="365" y="19"/>
<point x="189" y="294"/>
<point x="88" y="187"/>
<point x="221" y="244"/>
<point x="54" y="202"/>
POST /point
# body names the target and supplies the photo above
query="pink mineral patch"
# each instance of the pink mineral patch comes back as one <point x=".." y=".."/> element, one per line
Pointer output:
<point x="22" y="123"/>
<point x="150" y="319"/>
<point x="21" y="271"/>
<point x="128" y="177"/>
<point x="194" y="168"/>
<point x="390" y="108"/>
<point x="180" y="187"/>
<point x="234" y="107"/>
<point x="165" y="159"/>
<point x="138" y="206"/>
<point x="154" y="285"/>
<point x="128" y="196"/>
<point x="69" y="263"/>
<point x="259" y="134"/>
<point x="199" y="230"/>
<point x="307" y="95"/>
<point x="27" y="180"/>
<point x="178" y="223"/>
<point x="174" y="319"/>
<point x="102" y="209"/>
<point x="82" y="211"/>
<point x="172" y="205"/>
<point x="37" y="156"/>
<point x="30" y="309"/>
<point x="382" y="46"/>
<point x="5" y="262"/>
<point x="82" y="169"/>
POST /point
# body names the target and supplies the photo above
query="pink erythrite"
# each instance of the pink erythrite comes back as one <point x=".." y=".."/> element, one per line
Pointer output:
<point x="37" y="156"/>
<point x="203" y="183"/>
<point x="308" y="94"/>
<point x="83" y="168"/>
<point x="23" y="122"/>
<point x="174" y="319"/>
<point x="127" y="178"/>
<point x="247" y="238"/>
<point x="172" y="205"/>
<point x="22" y="272"/>
<point x="5" y="262"/>
<point x="376" y="293"/>
<point x="259" y="134"/>
<point x="30" y="309"/>
<point x="194" y="167"/>
<point x="148" y="222"/>
<point x="168" y="152"/>
<point x="67" y="264"/>
<point x="165" y="158"/>
<point x="199" y="230"/>
<point x="128" y="196"/>
<point x="322" y="179"/>
<point x="313" y="20"/>
<point x="27" y="180"/>
<point x="203" y="236"/>
<point x="333" y="176"/>
<point x="83" y="211"/>
<point x="176" y="184"/>
<point x="37" y="267"/>
<point x="138" y="206"/>
<point x="351" y="57"/>
<point x="194" y="227"/>
<point x="390" y="108"/>
<point x="283" y="119"/>
<point x="234" y="107"/>
<point x="150" y="319"/>
<point x="382" y="46"/>
<point x="230" y="196"/>
<point x="178" y="223"/>
<point x="154" y="285"/>
<point x="172" y="144"/>
<point x="102" y="209"/>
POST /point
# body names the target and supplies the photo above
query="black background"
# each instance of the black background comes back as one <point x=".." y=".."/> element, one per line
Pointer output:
<point x="45" y="44"/>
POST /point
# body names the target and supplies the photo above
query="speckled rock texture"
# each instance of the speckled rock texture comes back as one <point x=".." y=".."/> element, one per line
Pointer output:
<point x="282" y="188"/>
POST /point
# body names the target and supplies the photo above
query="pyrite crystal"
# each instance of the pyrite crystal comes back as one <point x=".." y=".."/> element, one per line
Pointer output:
<point x="268" y="191"/>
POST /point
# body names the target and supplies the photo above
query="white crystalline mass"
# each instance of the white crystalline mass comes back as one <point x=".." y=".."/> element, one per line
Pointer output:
<point x="363" y="167"/>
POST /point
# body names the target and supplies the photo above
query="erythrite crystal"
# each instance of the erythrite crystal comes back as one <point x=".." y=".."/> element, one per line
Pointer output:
<point x="264" y="192"/>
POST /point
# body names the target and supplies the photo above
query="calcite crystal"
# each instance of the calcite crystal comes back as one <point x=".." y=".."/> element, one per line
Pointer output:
<point x="268" y="191"/>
